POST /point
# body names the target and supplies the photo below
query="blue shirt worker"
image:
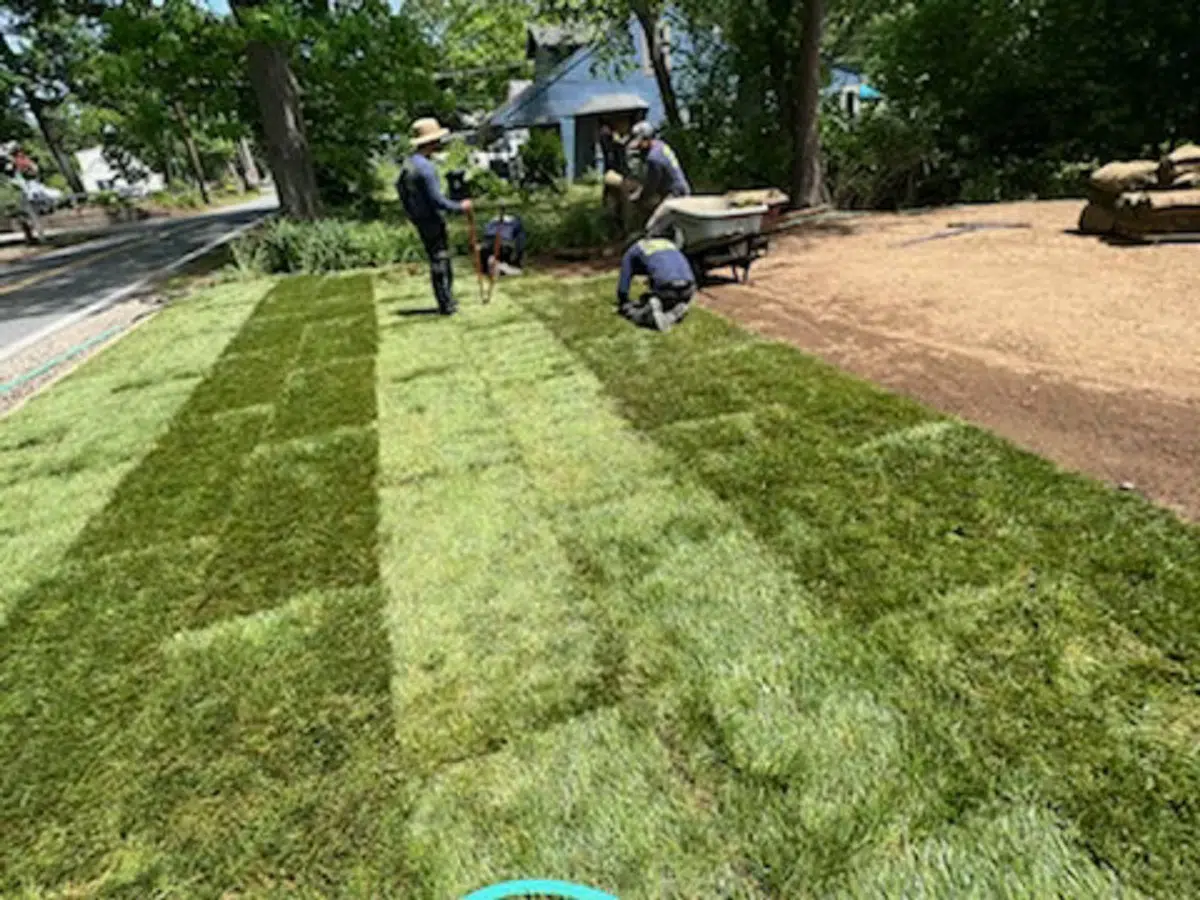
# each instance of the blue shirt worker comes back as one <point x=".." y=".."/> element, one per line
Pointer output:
<point x="421" y="195"/>
<point x="512" y="244"/>
<point x="662" y="176"/>
<point x="672" y="284"/>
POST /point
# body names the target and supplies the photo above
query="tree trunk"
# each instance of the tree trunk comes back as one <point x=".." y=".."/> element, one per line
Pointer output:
<point x="247" y="164"/>
<point x="658" y="62"/>
<point x="278" y="97"/>
<point x="45" y="125"/>
<point x="164" y="160"/>
<point x="234" y="172"/>
<point x="808" y="181"/>
<point x="193" y="154"/>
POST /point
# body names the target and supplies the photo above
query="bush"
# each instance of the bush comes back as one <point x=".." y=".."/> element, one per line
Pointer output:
<point x="578" y="226"/>
<point x="887" y="160"/>
<point x="177" y="198"/>
<point x="880" y="160"/>
<point x="325" y="246"/>
<point x="570" y="221"/>
<point x="486" y="184"/>
<point x="542" y="158"/>
<point x="591" y="178"/>
<point x="10" y="198"/>
<point x="111" y="201"/>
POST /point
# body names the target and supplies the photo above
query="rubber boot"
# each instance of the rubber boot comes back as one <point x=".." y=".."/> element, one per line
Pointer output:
<point x="442" y="276"/>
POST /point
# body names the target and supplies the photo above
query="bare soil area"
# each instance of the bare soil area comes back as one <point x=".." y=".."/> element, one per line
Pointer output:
<point x="1085" y="352"/>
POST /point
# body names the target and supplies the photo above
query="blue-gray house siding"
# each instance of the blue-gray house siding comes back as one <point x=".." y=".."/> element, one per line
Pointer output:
<point x="579" y="93"/>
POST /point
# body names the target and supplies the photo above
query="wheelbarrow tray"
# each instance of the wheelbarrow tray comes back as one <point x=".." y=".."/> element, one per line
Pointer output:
<point x="696" y="224"/>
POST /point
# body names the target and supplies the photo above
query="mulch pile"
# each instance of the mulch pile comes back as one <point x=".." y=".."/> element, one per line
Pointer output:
<point x="1141" y="198"/>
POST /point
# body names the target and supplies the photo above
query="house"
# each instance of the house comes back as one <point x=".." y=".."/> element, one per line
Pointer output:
<point x="576" y="89"/>
<point x="851" y="90"/>
<point x="98" y="175"/>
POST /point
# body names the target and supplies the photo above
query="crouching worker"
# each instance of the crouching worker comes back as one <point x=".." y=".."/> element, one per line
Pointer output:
<point x="426" y="205"/>
<point x="672" y="284"/>
<point x="511" y="232"/>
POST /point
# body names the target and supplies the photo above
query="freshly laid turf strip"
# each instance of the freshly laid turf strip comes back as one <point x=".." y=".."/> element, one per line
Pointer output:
<point x="65" y="451"/>
<point x="198" y="700"/>
<point x="607" y="674"/>
<point x="1030" y="640"/>
<point x="403" y="609"/>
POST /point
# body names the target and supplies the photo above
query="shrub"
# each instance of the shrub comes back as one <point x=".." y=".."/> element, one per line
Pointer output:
<point x="328" y="245"/>
<point x="542" y="158"/>
<point x="111" y="201"/>
<point x="573" y="220"/>
<point x="10" y="197"/>
<point x="486" y="184"/>
<point x="177" y="198"/>
<point x="580" y="226"/>
<point x="880" y="160"/>
<point x="456" y="155"/>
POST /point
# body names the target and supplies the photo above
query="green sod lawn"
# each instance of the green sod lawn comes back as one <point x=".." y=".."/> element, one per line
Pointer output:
<point x="302" y="594"/>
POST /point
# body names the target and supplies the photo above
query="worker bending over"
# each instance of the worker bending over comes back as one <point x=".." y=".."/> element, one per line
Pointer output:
<point x="423" y="200"/>
<point x="662" y="175"/>
<point x="511" y="232"/>
<point x="672" y="284"/>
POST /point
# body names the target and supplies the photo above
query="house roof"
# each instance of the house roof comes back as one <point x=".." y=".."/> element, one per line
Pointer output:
<point x="576" y="86"/>
<point x="531" y="106"/>
<point x="611" y="103"/>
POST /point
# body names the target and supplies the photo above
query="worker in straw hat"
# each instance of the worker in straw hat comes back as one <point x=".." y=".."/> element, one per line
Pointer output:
<point x="426" y="205"/>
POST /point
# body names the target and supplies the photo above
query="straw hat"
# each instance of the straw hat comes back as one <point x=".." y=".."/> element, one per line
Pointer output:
<point x="427" y="131"/>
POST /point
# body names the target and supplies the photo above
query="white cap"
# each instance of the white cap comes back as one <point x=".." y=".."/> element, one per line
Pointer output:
<point x="642" y="130"/>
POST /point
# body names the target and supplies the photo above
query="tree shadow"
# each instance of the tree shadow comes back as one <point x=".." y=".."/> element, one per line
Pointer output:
<point x="716" y="279"/>
<point x="1149" y="240"/>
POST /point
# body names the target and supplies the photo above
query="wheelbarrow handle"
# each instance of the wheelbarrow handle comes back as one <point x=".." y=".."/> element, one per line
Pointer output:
<point x="474" y="241"/>
<point x="495" y="261"/>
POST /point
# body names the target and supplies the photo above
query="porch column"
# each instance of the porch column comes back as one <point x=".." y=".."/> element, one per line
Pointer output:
<point x="566" y="127"/>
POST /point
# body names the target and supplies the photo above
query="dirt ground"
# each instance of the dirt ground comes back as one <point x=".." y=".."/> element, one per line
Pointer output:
<point x="1085" y="352"/>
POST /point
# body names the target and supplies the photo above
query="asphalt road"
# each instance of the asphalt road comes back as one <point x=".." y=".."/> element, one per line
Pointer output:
<point x="39" y="294"/>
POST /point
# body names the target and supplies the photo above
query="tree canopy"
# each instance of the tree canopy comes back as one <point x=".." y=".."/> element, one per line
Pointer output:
<point x="984" y="98"/>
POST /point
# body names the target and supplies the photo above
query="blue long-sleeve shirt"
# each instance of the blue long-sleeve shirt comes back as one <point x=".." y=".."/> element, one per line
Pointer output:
<point x="421" y="191"/>
<point x="664" y="174"/>
<point x="657" y="259"/>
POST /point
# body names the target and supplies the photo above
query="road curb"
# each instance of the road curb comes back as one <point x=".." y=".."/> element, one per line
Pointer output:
<point x="118" y="294"/>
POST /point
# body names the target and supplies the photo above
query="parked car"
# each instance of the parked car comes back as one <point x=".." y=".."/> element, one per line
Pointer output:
<point x="502" y="156"/>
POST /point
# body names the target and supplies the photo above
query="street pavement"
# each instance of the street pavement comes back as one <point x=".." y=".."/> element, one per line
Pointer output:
<point x="38" y="294"/>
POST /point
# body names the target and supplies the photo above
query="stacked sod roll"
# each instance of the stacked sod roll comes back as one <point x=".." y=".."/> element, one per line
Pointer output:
<point x="1143" y="197"/>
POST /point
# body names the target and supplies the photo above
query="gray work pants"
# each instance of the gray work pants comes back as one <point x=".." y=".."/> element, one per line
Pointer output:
<point x="441" y="274"/>
<point x="661" y="313"/>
